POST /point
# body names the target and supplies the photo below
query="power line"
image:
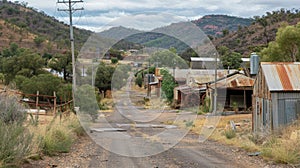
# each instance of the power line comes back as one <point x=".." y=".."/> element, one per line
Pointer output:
<point x="70" y="4"/>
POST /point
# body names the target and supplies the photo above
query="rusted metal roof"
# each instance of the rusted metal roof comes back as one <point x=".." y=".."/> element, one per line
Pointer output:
<point x="282" y="76"/>
<point x="199" y="73"/>
<point x="235" y="81"/>
<point x="189" y="90"/>
<point x="210" y="77"/>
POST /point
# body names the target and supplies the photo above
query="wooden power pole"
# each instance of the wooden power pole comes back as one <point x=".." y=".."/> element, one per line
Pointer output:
<point x="70" y="10"/>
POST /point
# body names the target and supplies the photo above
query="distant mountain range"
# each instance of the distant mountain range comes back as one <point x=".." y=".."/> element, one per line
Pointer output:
<point x="210" y="24"/>
<point x="263" y="30"/>
<point x="30" y="28"/>
<point x="162" y="37"/>
<point x="178" y="35"/>
<point x="214" y="25"/>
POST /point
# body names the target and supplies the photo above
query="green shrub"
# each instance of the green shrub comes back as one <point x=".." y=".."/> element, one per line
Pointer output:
<point x="168" y="85"/>
<point x="103" y="106"/>
<point x="57" y="140"/>
<point x="15" y="143"/>
<point x="38" y="40"/>
<point x="189" y="124"/>
<point x="15" y="139"/>
<point x="75" y="126"/>
<point x="114" y="60"/>
<point x="86" y="100"/>
<point x="139" y="80"/>
<point x="205" y="108"/>
<point x="11" y="111"/>
<point x="258" y="139"/>
<point x="229" y="134"/>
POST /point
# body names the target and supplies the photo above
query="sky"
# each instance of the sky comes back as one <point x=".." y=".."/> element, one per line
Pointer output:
<point x="99" y="15"/>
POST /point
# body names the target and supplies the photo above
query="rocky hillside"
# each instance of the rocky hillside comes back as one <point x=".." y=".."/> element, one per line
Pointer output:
<point x="257" y="36"/>
<point x="214" y="25"/>
<point x="44" y="34"/>
<point x="36" y="30"/>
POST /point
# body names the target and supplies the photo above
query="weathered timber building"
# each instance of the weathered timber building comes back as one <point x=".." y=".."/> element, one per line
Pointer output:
<point x="276" y="96"/>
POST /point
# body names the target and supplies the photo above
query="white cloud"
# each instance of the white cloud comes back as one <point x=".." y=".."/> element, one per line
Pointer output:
<point x="99" y="13"/>
<point x="144" y="21"/>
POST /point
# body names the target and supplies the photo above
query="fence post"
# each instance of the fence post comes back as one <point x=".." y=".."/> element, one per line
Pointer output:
<point x="54" y="108"/>
<point x="37" y="104"/>
<point x="37" y="100"/>
<point x="61" y="109"/>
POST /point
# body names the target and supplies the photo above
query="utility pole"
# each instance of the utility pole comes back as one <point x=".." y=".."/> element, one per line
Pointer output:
<point x="148" y="80"/>
<point x="70" y="9"/>
<point x="215" y="94"/>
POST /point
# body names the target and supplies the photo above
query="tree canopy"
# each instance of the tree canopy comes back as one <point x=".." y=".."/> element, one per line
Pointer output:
<point x="120" y="76"/>
<point x="230" y="59"/>
<point x="286" y="45"/>
<point x="46" y="84"/>
<point x="104" y="76"/>
<point x="168" y="85"/>
<point x="20" y="61"/>
<point x="62" y="63"/>
<point x="188" y="53"/>
<point x="167" y="58"/>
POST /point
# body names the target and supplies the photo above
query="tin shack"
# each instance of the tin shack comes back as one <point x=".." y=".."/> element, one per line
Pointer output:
<point x="276" y="96"/>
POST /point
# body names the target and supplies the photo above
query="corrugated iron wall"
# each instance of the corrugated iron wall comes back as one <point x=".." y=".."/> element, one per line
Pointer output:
<point x="286" y="107"/>
<point x="281" y="110"/>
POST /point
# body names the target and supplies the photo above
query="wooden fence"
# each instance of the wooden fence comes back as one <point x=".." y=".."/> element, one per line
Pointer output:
<point x="39" y="101"/>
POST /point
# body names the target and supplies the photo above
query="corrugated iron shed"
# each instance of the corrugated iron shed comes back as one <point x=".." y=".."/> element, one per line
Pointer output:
<point x="189" y="90"/>
<point x="283" y="76"/>
<point x="235" y="81"/>
<point x="184" y="73"/>
<point x="208" y="76"/>
<point x="204" y="59"/>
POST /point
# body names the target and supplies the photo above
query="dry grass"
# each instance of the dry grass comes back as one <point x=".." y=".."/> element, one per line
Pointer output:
<point x="155" y="103"/>
<point x="108" y="104"/>
<point x="241" y="135"/>
<point x="57" y="140"/>
<point x="54" y="135"/>
<point x="281" y="147"/>
<point x="284" y="146"/>
<point x="282" y="151"/>
<point x="198" y="125"/>
<point x="138" y="89"/>
<point x="15" y="144"/>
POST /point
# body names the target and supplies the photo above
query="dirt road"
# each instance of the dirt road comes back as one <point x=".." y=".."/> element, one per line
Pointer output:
<point x="188" y="153"/>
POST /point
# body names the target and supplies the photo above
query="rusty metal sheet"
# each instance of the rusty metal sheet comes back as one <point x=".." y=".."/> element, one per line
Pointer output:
<point x="294" y="77"/>
<point x="189" y="90"/>
<point x="283" y="76"/>
<point x="200" y="76"/>
<point x="235" y="81"/>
